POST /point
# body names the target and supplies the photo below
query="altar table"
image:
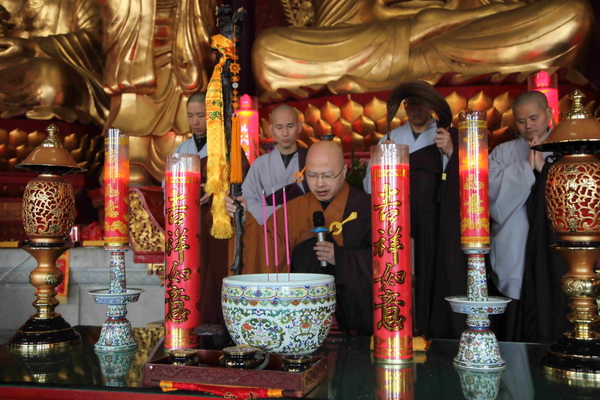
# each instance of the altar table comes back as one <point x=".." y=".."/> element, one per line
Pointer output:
<point x="79" y="374"/>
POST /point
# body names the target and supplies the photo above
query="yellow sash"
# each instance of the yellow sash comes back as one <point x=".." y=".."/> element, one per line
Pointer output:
<point x="217" y="167"/>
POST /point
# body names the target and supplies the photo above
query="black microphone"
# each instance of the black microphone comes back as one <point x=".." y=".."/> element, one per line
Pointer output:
<point x="320" y="230"/>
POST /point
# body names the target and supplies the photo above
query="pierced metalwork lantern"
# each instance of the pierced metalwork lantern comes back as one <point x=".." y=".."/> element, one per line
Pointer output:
<point x="573" y="209"/>
<point x="48" y="216"/>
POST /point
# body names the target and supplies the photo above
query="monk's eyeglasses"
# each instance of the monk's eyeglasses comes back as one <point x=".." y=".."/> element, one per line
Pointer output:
<point x="326" y="177"/>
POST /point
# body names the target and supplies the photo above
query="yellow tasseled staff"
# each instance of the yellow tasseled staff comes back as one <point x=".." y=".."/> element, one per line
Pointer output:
<point x="217" y="166"/>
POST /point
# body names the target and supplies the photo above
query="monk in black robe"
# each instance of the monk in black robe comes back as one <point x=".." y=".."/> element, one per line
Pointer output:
<point x="543" y="307"/>
<point x="450" y="274"/>
<point x="440" y="268"/>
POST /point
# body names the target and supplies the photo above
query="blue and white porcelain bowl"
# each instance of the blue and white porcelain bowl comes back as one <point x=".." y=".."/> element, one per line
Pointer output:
<point x="280" y="313"/>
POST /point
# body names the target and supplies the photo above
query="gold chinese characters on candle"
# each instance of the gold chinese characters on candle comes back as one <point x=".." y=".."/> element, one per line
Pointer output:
<point x="392" y="294"/>
<point x="182" y="264"/>
<point x="473" y="172"/>
<point x="116" y="189"/>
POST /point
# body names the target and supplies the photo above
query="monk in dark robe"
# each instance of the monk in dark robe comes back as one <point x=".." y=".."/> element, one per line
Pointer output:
<point x="346" y="252"/>
<point x="439" y="265"/>
<point x="450" y="277"/>
<point x="543" y="306"/>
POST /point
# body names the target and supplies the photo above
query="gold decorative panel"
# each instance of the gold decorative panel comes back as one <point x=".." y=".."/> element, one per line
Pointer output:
<point x="144" y="234"/>
<point x="359" y="126"/>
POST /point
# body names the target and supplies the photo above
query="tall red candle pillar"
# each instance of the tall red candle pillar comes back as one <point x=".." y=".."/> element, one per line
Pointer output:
<point x="182" y="264"/>
<point x="249" y="128"/>
<point x="116" y="190"/>
<point x="392" y="294"/>
<point x="546" y="83"/>
<point x="473" y="170"/>
<point x="478" y="348"/>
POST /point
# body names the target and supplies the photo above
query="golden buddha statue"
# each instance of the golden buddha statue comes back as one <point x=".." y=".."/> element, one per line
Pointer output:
<point x="158" y="53"/>
<point x="51" y="60"/>
<point x="359" y="46"/>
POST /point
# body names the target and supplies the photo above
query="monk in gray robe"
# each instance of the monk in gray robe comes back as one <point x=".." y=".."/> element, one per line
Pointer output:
<point x="274" y="170"/>
<point x="512" y="175"/>
<point x="270" y="173"/>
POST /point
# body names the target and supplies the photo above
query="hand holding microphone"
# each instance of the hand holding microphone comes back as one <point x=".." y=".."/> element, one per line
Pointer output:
<point x="320" y="230"/>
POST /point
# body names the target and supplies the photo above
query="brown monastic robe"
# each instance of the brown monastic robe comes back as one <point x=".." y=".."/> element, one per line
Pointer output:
<point x="353" y="270"/>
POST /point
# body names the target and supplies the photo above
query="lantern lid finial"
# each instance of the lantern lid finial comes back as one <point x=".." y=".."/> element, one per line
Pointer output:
<point x="50" y="156"/>
<point x="577" y="111"/>
<point x="577" y="133"/>
<point x="52" y="138"/>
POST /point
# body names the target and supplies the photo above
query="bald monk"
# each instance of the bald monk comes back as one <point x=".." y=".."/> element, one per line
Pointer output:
<point x="271" y="172"/>
<point x="347" y="253"/>
<point x="274" y="170"/>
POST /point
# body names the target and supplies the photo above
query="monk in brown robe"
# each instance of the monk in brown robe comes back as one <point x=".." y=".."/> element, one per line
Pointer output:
<point x="346" y="254"/>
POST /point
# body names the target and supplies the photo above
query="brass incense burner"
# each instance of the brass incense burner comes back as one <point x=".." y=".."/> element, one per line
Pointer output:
<point x="573" y="209"/>
<point x="48" y="215"/>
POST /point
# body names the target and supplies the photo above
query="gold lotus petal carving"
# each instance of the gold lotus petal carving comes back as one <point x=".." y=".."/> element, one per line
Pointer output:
<point x="322" y="128"/>
<point x="353" y="141"/>
<point x="494" y="119"/>
<point x="364" y="125"/>
<point x="70" y="142"/>
<point x="312" y="115"/>
<point x="306" y="134"/>
<point x="456" y="102"/>
<point x="564" y="104"/>
<point x="352" y="110"/>
<point x="330" y="112"/>
<point x="503" y="102"/>
<point x="302" y="145"/>
<point x="480" y="101"/>
<point x="86" y="149"/>
<point x="591" y="108"/>
<point x="299" y="114"/>
<point x="22" y="151"/>
<point x="341" y="128"/>
<point x="508" y="120"/>
<point x="7" y="151"/>
<point x="17" y="137"/>
<point x="376" y="109"/>
<point x="34" y="139"/>
<point x="372" y="139"/>
<point x="382" y="124"/>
